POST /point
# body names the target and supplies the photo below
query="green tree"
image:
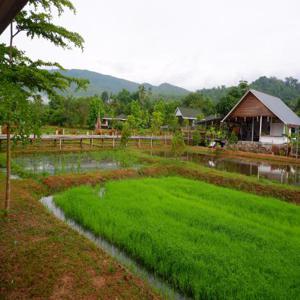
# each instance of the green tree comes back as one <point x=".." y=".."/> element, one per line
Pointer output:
<point x="105" y="97"/>
<point x="234" y="95"/>
<point x="196" y="137"/>
<point x="178" y="144"/>
<point x="125" y="134"/>
<point x="96" y="107"/>
<point x="156" y="121"/>
<point x="199" y="101"/>
<point x="22" y="80"/>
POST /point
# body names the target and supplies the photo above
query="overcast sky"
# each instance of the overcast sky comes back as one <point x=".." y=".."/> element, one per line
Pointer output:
<point x="190" y="43"/>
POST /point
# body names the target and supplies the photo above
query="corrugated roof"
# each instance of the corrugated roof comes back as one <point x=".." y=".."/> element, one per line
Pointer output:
<point x="278" y="108"/>
<point x="275" y="105"/>
<point x="190" y="113"/>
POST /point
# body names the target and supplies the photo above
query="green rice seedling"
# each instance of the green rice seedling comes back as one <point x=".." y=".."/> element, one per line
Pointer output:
<point x="208" y="242"/>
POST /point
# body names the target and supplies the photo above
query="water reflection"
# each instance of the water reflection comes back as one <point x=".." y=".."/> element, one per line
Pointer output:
<point x="283" y="173"/>
<point x="65" y="163"/>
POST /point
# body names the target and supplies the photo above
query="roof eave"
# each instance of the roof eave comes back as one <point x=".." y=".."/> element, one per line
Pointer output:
<point x="8" y="10"/>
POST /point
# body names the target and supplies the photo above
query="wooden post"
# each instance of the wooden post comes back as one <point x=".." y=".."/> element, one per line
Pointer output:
<point x="80" y="143"/>
<point x="297" y="142"/>
<point x="8" y="169"/>
<point x="59" y="144"/>
<point x="151" y="142"/>
<point x="91" y="142"/>
<point x="139" y="143"/>
<point x="165" y="139"/>
<point x="260" y="127"/>
<point x="113" y="141"/>
<point x="252" y="137"/>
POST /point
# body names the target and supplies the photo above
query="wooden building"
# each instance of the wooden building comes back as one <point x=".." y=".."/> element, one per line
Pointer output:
<point x="262" y="117"/>
<point x="211" y="120"/>
<point x="190" y="115"/>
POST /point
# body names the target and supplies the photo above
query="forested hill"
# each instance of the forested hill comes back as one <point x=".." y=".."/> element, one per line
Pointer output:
<point x="288" y="89"/>
<point x="100" y="83"/>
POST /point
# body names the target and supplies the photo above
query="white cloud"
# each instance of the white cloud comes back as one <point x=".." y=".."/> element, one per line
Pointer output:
<point x="191" y="43"/>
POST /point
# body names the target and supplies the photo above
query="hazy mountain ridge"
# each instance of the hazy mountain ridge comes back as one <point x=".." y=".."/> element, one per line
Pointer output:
<point x="100" y="83"/>
<point x="288" y="90"/>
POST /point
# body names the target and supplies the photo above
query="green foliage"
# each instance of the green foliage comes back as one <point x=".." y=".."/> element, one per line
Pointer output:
<point x="96" y="107"/>
<point x="22" y="79"/>
<point x="125" y="134"/>
<point x="105" y="96"/>
<point x="68" y="112"/>
<point x="242" y="246"/>
<point x="288" y="90"/>
<point x="234" y="95"/>
<point x="178" y="144"/>
<point x="196" y="137"/>
<point x="156" y="121"/>
<point x="232" y="139"/>
<point x="199" y="101"/>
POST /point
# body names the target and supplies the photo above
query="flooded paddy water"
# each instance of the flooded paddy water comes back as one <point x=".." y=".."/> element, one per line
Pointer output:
<point x="278" y="172"/>
<point x="58" y="163"/>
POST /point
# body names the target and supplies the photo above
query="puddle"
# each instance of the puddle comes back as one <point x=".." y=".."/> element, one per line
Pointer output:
<point x="164" y="289"/>
<point x="282" y="173"/>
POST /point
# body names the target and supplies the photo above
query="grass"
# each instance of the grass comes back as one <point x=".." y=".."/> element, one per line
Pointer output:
<point x="209" y="242"/>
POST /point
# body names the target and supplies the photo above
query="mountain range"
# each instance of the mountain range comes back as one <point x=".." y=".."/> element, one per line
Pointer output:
<point x="100" y="83"/>
<point x="288" y="89"/>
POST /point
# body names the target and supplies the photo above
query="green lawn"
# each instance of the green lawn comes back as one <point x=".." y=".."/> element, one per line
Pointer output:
<point x="208" y="242"/>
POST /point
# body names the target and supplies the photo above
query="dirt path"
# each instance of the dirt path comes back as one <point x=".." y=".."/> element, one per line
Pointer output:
<point x="40" y="257"/>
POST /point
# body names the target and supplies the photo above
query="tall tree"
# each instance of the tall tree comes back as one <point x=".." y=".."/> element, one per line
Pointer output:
<point x="235" y="93"/>
<point x="96" y="108"/>
<point x="23" y="80"/>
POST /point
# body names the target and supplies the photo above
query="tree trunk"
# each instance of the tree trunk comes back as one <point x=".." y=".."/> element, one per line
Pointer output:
<point x="8" y="169"/>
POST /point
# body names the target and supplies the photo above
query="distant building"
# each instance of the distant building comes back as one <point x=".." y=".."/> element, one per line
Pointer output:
<point x="187" y="114"/>
<point x="211" y="120"/>
<point x="108" y="120"/>
<point x="262" y="117"/>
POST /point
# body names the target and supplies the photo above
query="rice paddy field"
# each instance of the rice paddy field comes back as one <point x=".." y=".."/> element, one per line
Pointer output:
<point x="208" y="242"/>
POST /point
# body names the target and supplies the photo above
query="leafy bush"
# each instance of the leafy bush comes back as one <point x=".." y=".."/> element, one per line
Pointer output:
<point x="178" y="144"/>
<point x="196" y="138"/>
<point x="126" y="133"/>
<point x="232" y="139"/>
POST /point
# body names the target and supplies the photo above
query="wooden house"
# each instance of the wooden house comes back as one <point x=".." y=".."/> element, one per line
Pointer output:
<point x="259" y="117"/>
<point x="190" y="115"/>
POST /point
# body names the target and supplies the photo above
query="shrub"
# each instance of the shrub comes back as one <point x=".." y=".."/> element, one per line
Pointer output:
<point x="196" y="138"/>
<point x="232" y="139"/>
<point x="126" y="133"/>
<point x="178" y="144"/>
